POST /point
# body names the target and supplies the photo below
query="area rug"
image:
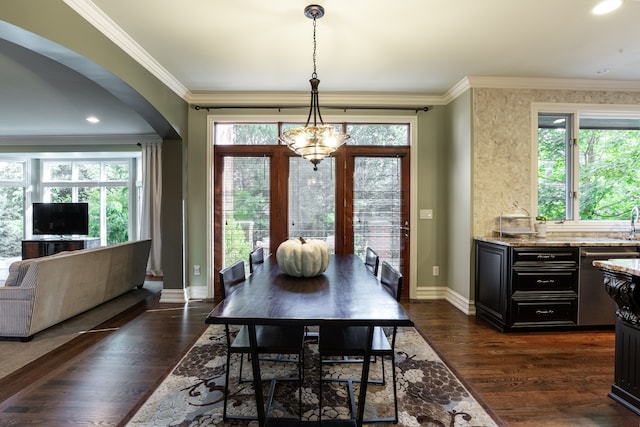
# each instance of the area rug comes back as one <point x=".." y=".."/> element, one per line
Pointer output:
<point x="429" y="393"/>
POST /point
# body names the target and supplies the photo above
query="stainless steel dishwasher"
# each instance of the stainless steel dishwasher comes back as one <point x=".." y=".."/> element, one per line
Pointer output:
<point x="595" y="306"/>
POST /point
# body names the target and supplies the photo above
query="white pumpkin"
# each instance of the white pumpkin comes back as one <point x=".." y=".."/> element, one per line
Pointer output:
<point x="303" y="258"/>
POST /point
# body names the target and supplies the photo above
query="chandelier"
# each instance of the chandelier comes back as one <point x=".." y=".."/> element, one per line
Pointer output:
<point x="318" y="141"/>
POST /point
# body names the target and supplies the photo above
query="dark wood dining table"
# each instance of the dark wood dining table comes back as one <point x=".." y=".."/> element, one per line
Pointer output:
<point x="345" y="294"/>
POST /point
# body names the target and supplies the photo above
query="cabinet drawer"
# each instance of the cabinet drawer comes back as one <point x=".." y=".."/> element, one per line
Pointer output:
<point x="542" y="280"/>
<point x="546" y="256"/>
<point x="558" y="312"/>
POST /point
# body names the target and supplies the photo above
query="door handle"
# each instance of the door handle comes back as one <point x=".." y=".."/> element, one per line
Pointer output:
<point x="405" y="229"/>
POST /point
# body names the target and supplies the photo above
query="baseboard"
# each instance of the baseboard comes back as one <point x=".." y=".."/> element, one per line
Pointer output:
<point x="173" y="296"/>
<point x="463" y="304"/>
<point x="452" y="297"/>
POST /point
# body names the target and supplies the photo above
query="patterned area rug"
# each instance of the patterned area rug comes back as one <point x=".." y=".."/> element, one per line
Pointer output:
<point x="429" y="394"/>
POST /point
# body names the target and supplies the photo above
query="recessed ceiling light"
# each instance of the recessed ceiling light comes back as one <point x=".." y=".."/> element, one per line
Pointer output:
<point x="93" y="119"/>
<point x="606" y="6"/>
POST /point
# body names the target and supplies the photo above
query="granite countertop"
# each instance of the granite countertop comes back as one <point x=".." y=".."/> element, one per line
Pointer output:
<point x="560" y="241"/>
<point x="627" y="265"/>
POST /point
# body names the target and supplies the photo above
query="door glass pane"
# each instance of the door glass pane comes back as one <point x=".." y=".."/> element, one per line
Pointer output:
<point x="312" y="196"/>
<point x="376" y="208"/>
<point x="246" y="134"/>
<point x="246" y="199"/>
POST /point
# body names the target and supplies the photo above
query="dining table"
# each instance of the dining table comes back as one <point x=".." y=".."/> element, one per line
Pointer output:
<point x="346" y="294"/>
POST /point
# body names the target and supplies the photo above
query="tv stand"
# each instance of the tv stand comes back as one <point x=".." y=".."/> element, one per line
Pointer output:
<point x="37" y="248"/>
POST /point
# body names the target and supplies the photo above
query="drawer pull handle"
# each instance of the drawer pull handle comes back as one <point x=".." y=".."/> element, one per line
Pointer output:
<point x="547" y="311"/>
<point x="546" y="256"/>
<point x="545" y="282"/>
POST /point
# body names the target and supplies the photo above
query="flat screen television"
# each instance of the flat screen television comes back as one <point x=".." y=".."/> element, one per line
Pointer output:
<point x="60" y="218"/>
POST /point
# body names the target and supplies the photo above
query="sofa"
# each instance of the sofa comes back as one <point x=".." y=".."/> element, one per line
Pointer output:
<point x="42" y="292"/>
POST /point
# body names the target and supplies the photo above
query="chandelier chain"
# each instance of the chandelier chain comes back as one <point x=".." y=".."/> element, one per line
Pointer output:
<point x="314" y="75"/>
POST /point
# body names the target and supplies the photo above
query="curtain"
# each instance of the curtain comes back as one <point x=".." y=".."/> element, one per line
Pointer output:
<point x="151" y="202"/>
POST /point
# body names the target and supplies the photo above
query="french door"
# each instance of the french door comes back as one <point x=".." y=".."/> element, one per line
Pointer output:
<point x="264" y="195"/>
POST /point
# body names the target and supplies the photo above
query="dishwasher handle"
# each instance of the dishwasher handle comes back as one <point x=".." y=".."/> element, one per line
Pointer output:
<point x="610" y="254"/>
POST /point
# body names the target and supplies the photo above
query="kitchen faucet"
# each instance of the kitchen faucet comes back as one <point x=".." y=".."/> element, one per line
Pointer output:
<point x="635" y="213"/>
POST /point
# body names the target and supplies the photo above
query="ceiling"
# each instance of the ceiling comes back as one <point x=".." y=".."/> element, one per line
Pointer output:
<point x="418" y="47"/>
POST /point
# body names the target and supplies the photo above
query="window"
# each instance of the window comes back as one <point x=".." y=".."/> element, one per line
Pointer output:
<point x="588" y="165"/>
<point x="264" y="194"/>
<point x="105" y="184"/>
<point x="12" y="193"/>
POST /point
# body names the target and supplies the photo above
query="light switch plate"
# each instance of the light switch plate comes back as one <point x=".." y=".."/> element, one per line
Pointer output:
<point x="426" y="213"/>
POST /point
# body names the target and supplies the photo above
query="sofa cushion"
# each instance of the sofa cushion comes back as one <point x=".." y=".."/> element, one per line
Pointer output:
<point x="17" y="271"/>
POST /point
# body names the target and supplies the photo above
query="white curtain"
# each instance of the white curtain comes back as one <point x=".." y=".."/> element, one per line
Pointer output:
<point x="151" y="202"/>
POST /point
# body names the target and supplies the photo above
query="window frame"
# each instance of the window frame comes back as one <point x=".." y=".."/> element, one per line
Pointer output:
<point x="574" y="224"/>
<point x="102" y="184"/>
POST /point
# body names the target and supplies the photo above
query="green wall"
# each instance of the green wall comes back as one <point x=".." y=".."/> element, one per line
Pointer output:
<point x="458" y="160"/>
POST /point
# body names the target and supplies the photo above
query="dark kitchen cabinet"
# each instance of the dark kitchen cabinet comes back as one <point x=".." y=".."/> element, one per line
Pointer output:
<point x="492" y="280"/>
<point x="520" y="288"/>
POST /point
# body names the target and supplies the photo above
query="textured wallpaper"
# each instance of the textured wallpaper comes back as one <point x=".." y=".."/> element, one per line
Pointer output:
<point x="501" y="145"/>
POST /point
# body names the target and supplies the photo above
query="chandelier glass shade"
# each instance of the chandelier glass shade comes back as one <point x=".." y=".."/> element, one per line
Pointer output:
<point x="316" y="140"/>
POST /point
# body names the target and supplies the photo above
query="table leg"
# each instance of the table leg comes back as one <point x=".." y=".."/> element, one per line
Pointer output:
<point x="365" y="376"/>
<point x="257" y="383"/>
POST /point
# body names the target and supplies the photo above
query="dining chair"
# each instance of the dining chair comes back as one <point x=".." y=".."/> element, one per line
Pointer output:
<point x="271" y="340"/>
<point x="371" y="260"/>
<point x="256" y="257"/>
<point x="352" y="341"/>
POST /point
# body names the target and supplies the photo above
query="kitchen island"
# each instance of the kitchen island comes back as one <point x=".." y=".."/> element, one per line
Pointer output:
<point x="621" y="280"/>
<point x="543" y="284"/>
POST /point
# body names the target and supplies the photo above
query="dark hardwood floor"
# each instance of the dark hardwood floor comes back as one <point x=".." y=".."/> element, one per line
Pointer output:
<point x="527" y="379"/>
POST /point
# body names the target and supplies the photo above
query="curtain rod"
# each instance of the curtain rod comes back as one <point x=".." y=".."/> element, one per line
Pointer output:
<point x="272" y="107"/>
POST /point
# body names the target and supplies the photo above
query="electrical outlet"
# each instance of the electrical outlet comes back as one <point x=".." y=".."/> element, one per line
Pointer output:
<point x="196" y="270"/>
<point x="436" y="270"/>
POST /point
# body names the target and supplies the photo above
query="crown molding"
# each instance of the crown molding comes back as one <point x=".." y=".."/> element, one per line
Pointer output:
<point x="86" y="140"/>
<point x="96" y="17"/>
<point x="552" y="84"/>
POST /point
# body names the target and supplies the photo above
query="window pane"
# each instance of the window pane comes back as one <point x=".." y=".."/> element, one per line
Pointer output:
<point x="116" y="171"/>
<point x="11" y="221"/>
<point x="117" y="215"/>
<point x="246" y="200"/>
<point x="57" y="171"/>
<point x="312" y="200"/>
<point x="91" y="195"/>
<point x="12" y="171"/>
<point x="378" y="134"/>
<point x="553" y="139"/>
<point x="246" y="134"/>
<point x="58" y="195"/>
<point x="88" y="172"/>
<point x="609" y="167"/>
<point x="376" y="208"/>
